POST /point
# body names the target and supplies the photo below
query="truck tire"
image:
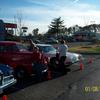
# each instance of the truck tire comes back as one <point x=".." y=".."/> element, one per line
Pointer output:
<point x="20" y="73"/>
<point x="39" y="75"/>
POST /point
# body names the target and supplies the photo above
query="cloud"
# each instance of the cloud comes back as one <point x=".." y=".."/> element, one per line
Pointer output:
<point x="70" y="16"/>
<point x="42" y="3"/>
<point x="80" y="9"/>
<point x="38" y="3"/>
<point x="41" y="16"/>
<point x="43" y="27"/>
<point x="49" y="3"/>
<point x="75" y="1"/>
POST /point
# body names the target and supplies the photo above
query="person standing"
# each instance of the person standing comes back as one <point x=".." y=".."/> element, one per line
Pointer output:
<point x="38" y="66"/>
<point x="62" y="49"/>
<point x="31" y="45"/>
<point x="40" y="62"/>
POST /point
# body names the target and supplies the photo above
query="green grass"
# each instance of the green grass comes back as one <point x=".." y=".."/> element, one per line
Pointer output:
<point x="85" y="49"/>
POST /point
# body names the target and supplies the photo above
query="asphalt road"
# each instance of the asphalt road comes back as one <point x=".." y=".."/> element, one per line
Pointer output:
<point x="76" y="85"/>
<point x="87" y="87"/>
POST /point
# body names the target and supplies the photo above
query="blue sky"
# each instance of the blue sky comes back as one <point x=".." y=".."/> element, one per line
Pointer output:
<point x="39" y="13"/>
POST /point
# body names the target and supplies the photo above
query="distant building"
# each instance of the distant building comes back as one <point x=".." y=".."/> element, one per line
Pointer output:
<point x="84" y="36"/>
<point x="98" y="36"/>
<point x="6" y="30"/>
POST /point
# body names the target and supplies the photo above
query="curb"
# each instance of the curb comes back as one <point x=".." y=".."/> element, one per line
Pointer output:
<point x="88" y="53"/>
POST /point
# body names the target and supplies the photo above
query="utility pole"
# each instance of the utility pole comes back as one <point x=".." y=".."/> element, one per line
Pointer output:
<point x="15" y="23"/>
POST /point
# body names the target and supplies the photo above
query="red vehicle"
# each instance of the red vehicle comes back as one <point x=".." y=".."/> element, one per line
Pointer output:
<point x="23" y="61"/>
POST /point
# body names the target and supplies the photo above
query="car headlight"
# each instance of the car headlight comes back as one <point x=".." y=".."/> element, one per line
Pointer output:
<point x="74" y="59"/>
<point x="80" y="57"/>
<point x="44" y="71"/>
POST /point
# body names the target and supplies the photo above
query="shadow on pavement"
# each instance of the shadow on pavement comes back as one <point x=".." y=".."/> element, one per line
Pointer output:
<point x="76" y="70"/>
<point x="21" y="84"/>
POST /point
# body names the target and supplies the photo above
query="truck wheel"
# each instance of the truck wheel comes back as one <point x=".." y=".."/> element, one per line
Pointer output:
<point x="20" y="73"/>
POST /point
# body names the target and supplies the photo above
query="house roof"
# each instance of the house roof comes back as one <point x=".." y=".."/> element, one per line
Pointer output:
<point x="84" y="33"/>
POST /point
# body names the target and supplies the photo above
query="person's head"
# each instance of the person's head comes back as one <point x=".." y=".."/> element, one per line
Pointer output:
<point x="62" y="42"/>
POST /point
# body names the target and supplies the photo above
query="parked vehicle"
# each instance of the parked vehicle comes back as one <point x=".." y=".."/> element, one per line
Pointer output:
<point x="51" y="41"/>
<point x="6" y="77"/>
<point x="51" y="52"/>
<point x="16" y="55"/>
<point x="37" y="41"/>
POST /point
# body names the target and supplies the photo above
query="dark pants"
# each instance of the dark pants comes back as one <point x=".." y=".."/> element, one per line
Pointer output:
<point x="62" y="59"/>
<point x="62" y="67"/>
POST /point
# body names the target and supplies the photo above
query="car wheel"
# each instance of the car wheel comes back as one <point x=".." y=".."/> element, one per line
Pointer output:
<point x="38" y="70"/>
<point x="20" y="73"/>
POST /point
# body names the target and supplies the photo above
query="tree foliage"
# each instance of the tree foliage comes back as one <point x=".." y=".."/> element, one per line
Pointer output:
<point x="88" y="28"/>
<point x="92" y="28"/>
<point x="35" y="31"/>
<point x="56" y="27"/>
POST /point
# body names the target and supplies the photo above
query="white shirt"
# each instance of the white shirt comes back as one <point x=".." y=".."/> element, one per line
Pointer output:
<point x="63" y="48"/>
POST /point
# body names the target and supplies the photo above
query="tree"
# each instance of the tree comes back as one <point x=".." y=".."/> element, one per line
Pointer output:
<point x="73" y="29"/>
<point x="56" y="27"/>
<point x="92" y="28"/>
<point x="35" y="31"/>
<point x="70" y="30"/>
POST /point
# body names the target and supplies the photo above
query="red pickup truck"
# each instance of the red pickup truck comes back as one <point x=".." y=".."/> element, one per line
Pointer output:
<point x="16" y="55"/>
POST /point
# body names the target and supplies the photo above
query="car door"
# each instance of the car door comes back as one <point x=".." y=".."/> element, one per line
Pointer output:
<point x="7" y="53"/>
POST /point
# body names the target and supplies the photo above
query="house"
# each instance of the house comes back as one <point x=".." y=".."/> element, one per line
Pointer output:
<point x="84" y="36"/>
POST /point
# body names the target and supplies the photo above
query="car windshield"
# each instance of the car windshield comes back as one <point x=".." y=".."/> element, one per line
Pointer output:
<point x="47" y="48"/>
<point x="22" y="47"/>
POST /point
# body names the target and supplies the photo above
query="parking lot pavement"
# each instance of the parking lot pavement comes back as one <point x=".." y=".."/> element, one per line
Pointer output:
<point x="86" y="88"/>
<point x="59" y="88"/>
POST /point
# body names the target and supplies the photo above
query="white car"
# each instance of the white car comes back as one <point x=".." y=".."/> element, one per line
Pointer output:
<point x="50" y="51"/>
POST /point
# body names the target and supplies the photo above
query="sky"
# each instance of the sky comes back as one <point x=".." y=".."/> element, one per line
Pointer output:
<point x="40" y="13"/>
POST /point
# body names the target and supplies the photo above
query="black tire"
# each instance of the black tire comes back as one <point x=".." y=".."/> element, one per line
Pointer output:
<point x="38" y="68"/>
<point x="20" y="73"/>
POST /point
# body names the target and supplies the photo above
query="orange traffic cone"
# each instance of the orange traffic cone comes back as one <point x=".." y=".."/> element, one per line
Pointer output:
<point x="49" y="77"/>
<point x="81" y="66"/>
<point x="4" y="97"/>
<point x="90" y="60"/>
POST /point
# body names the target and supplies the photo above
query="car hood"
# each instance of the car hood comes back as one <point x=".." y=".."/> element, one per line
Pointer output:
<point x="71" y="55"/>
<point x="6" y="70"/>
<point x="50" y="54"/>
<point x="68" y="54"/>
